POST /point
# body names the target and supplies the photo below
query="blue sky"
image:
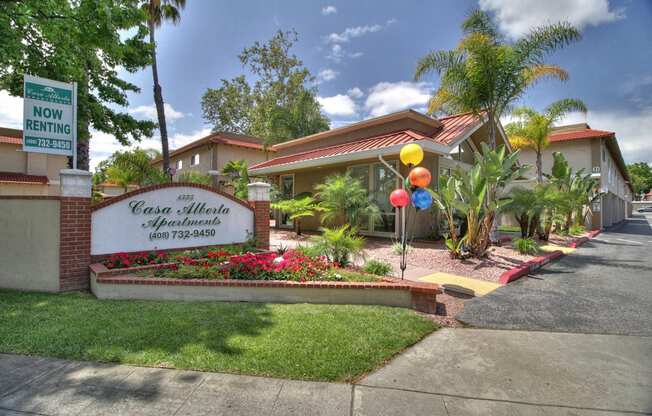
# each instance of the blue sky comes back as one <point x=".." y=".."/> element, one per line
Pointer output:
<point x="364" y="53"/>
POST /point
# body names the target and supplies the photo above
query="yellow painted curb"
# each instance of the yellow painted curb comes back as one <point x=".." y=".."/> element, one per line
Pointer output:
<point x="553" y="247"/>
<point x="465" y="285"/>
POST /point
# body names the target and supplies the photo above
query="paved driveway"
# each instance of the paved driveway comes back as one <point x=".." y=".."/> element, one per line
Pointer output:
<point x="605" y="287"/>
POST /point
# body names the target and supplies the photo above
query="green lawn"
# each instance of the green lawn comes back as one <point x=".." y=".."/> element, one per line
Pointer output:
<point x="316" y="342"/>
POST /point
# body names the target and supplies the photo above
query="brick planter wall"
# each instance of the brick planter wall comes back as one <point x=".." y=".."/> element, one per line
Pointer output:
<point x="110" y="284"/>
<point x="75" y="243"/>
<point x="261" y="223"/>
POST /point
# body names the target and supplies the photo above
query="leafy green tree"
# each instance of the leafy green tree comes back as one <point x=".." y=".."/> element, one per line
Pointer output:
<point x="531" y="129"/>
<point x="342" y="197"/>
<point x="237" y="171"/>
<point x="297" y="209"/>
<point x="129" y="168"/>
<point x="641" y="175"/>
<point x="86" y="41"/>
<point x="159" y="11"/>
<point x="281" y="105"/>
<point x="486" y="73"/>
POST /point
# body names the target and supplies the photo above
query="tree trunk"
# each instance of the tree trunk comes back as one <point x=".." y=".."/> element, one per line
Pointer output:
<point x="493" y="231"/>
<point x="158" y="101"/>
<point x="539" y="167"/>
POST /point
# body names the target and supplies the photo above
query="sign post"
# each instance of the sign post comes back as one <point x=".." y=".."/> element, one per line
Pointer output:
<point x="50" y="117"/>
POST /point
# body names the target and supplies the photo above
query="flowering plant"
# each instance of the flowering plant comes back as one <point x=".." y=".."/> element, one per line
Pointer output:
<point x="120" y="260"/>
<point x="292" y="265"/>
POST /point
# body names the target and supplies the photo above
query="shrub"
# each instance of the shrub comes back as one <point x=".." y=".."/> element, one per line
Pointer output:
<point x="577" y="230"/>
<point x="526" y="245"/>
<point x="189" y="271"/>
<point x="192" y="176"/>
<point x="338" y="244"/>
<point x="397" y="248"/>
<point x="377" y="267"/>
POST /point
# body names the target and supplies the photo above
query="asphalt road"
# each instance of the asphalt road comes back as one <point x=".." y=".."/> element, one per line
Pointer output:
<point x="605" y="287"/>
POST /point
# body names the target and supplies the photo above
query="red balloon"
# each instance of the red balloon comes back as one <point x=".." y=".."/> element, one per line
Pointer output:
<point x="399" y="198"/>
<point x="420" y="177"/>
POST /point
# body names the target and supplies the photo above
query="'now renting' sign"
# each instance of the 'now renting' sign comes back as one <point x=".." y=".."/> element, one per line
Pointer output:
<point x="49" y="116"/>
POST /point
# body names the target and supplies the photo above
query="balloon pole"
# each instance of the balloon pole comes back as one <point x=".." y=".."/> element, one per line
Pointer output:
<point x="403" y="214"/>
<point x="411" y="155"/>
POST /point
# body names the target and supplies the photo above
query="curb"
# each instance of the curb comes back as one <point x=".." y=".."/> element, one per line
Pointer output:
<point x="528" y="267"/>
<point x="538" y="262"/>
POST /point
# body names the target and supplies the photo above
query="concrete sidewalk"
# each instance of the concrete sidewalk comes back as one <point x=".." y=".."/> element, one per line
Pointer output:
<point x="452" y="372"/>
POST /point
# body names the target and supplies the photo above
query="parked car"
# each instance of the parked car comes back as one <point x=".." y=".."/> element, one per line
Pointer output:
<point x="646" y="209"/>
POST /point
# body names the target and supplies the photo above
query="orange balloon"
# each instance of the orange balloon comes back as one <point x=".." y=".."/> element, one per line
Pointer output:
<point x="420" y="177"/>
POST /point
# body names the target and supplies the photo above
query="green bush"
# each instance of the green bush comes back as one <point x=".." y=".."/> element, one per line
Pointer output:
<point x="338" y="244"/>
<point x="526" y="245"/>
<point x="577" y="230"/>
<point x="397" y="248"/>
<point x="377" y="267"/>
<point x="192" y="176"/>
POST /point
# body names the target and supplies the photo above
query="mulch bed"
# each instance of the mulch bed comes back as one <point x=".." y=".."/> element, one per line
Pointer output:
<point x="434" y="256"/>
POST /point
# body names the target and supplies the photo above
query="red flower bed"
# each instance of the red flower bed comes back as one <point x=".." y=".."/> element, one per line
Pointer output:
<point x="268" y="266"/>
<point x="121" y="260"/>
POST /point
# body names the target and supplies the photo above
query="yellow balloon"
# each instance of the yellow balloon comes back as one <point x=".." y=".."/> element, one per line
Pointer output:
<point x="411" y="154"/>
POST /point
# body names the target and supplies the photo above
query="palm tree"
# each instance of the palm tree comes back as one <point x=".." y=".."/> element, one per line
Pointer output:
<point x="486" y="73"/>
<point x="531" y="130"/>
<point x="236" y="170"/>
<point x="157" y="12"/>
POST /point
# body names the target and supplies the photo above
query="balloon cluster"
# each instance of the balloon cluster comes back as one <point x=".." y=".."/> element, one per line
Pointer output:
<point x="417" y="180"/>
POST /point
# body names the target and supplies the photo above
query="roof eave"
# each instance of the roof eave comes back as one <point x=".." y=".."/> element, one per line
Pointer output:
<point x="347" y="157"/>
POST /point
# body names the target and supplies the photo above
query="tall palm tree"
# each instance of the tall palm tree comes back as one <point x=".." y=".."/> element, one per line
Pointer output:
<point x="487" y="73"/>
<point x="531" y="130"/>
<point x="157" y="12"/>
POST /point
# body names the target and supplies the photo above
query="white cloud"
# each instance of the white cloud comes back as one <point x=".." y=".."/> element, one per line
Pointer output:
<point x="328" y="10"/>
<point x="11" y="111"/>
<point x="149" y="112"/>
<point x="355" y="92"/>
<point x="517" y="17"/>
<point x="388" y="97"/>
<point x="632" y="130"/>
<point x="353" y="32"/>
<point x="338" y="105"/>
<point x="337" y="53"/>
<point x="327" y="75"/>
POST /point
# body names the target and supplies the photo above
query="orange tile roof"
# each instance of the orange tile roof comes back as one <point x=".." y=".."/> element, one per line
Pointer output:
<point x="13" y="177"/>
<point x="452" y="128"/>
<point x="11" y="136"/>
<point x="563" y="136"/>
<point x="376" y="142"/>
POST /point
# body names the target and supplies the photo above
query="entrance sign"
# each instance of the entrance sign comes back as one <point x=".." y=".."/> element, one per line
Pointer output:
<point x="173" y="216"/>
<point x="49" y="117"/>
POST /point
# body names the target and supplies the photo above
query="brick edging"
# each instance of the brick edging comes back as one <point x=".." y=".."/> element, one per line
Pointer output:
<point x="537" y="262"/>
<point x="146" y="189"/>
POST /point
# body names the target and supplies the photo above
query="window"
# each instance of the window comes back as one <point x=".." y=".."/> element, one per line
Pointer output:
<point x="179" y="164"/>
<point x="194" y="160"/>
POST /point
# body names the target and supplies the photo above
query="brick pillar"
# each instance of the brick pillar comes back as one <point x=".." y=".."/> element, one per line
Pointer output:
<point x="74" y="230"/>
<point x="259" y="199"/>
